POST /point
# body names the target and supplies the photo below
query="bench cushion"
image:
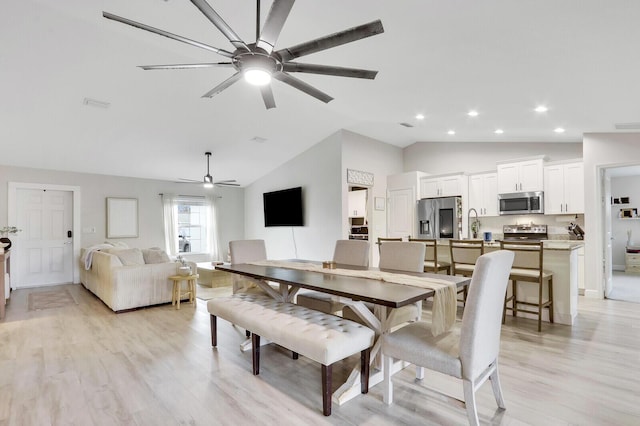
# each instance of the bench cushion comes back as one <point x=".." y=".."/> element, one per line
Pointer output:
<point x="321" y="337"/>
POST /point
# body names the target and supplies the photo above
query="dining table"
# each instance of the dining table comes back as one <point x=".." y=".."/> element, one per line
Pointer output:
<point x="353" y="291"/>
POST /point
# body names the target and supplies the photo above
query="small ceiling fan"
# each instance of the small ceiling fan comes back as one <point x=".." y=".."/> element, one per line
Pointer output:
<point x="258" y="62"/>
<point x="207" y="181"/>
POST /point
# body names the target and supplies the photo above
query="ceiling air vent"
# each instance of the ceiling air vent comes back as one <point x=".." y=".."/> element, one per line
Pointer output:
<point x="95" y="103"/>
<point x="406" y="124"/>
<point x="627" y="126"/>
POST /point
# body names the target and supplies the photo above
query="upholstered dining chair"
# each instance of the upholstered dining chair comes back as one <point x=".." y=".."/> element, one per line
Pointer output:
<point x="528" y="267"/>
<point x="398" y="256"/>
<point x="346" y="252"/>
<point x="383" y="239"/>
<point x="431" y="262"/>
<point x="245" y="251"/>
<point x="464" y="254"/>
<point x="469" y="352"/>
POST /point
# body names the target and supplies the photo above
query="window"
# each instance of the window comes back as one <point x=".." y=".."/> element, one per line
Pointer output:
<point x="192" y="225"/>
<point x="189" y="225"/>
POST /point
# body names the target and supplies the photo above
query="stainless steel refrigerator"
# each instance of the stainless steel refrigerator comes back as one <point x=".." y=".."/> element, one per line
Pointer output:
<point x="440" y="217"/>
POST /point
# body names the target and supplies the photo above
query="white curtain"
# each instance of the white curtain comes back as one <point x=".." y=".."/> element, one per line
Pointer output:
<point x="170" y="215"/>
<point x="212" y="229"/>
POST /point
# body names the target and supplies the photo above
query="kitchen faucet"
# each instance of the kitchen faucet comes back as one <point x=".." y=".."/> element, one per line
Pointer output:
<point x="469" y="220"/>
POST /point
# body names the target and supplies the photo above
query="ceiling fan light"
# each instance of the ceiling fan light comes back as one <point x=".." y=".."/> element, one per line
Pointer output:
<point x="257" y="76"/>
<point x="208" y="181"/>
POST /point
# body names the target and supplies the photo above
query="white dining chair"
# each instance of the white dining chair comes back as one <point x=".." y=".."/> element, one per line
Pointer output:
<point x="346" y="252"/>
<point x="245" y="251"/>
<point x="469" y="353"/>
<point x="398" y="256"/>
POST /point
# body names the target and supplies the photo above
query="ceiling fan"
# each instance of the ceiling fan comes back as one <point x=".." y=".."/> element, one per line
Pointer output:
<point x="208" y="179"/>
<point x="258" y="62"/>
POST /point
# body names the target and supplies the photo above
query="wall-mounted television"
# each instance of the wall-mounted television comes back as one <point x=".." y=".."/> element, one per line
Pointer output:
<point x="283" y="208"/>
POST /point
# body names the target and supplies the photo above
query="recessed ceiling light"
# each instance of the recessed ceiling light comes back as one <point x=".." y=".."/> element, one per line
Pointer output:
<point x="451" y="132"/>
<point x="558" y="130"/>
<point x="499" y="131"/>
<point x="472" y="113"/>
<point x="420" y="116"/>
<point x="541" y="108"/>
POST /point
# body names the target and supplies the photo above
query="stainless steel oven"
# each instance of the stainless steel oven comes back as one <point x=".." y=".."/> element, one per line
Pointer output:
<point x="521" y="203"/>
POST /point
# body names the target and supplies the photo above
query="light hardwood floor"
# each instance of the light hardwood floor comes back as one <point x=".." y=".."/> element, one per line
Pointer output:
<point x="85" y="365"/>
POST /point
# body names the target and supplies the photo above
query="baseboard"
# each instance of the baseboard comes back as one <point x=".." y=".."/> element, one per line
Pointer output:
<point x="592" y="294"/>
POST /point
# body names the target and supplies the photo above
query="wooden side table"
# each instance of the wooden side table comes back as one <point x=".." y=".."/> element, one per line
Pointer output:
<point x="177" y="288"/>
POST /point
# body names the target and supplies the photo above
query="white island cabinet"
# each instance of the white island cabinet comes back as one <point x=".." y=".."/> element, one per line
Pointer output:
<point x="520" y="176"/>
<point x="560" y="258"/>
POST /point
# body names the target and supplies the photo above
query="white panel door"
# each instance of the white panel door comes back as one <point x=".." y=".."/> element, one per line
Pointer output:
<point x="401" y="212"/>
<point x="450" y="186"/>
<point x="44" y="249"/>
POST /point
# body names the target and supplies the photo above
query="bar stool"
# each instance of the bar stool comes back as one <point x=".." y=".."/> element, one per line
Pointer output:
<point x="431" y="262"/>
<point x="464" y="254"/>
<point x="528" y="267"/>
<point x="178" y="293"/>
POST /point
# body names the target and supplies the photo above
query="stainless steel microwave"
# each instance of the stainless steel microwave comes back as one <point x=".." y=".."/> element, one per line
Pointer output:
<point x="521" y="203"/>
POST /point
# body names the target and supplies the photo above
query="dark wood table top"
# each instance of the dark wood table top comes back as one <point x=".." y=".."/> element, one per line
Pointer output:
<point x="368" y="290"/>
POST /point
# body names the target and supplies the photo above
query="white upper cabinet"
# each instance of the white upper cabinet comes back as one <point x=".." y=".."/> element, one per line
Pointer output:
<point x="521" y="176"/>
<point x="442" y="186"/>
<point x="564" y="188"/>
<point x="357" y="203"/>
<point x="483" y="194"/>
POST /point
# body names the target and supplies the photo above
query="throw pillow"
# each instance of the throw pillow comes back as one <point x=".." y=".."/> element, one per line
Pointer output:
<point x="130" y="256"/>
<point x="155" y="255"/>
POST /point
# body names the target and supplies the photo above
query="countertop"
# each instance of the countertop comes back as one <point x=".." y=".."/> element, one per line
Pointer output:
<point x="548" y="244"/>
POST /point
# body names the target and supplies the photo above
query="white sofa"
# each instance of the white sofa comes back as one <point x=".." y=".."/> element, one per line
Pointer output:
<point x="122" y="281"/>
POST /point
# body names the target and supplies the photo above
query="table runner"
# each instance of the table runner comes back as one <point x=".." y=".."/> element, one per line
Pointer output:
<point x="445" y="292"/>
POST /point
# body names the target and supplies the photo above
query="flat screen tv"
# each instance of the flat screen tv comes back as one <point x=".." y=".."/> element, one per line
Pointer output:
<point x="283" y="208"/>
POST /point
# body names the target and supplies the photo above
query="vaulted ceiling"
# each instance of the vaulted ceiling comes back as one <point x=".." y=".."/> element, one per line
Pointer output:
<point x="437" y="58"/>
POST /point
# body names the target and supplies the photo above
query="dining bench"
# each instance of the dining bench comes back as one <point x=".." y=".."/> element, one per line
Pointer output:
<point x="321" y="337"/>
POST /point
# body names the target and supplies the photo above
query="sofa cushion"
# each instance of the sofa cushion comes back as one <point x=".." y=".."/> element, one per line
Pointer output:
<point x="130" y="256"/>
<point x="155" y="255"/>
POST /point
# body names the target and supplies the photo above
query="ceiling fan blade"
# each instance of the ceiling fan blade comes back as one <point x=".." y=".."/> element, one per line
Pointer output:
<point x="225" y="184"/>
<point x="185" y="66"/>
<point x="273" y="25"/>
<point x="329" y="70"/>
<point x="267" y="96"/>
<point x="217" y="20"/>
<point x="226" y="181"/>
<point x="167" y="34"/>
<point x="333" y="40"/>
<point x="188" y="180"/>
<point x="220" y="87"/>
<point x="302" y="86"/>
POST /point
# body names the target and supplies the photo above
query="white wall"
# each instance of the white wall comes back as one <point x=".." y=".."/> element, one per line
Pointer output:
<point x="601" y="150"/>
<point x="624" y="187"/>
<point x="96" y="188"/>
<point x="318" y="171"/>
<point x="369" y="155"/>
<point x="471" y="157"/>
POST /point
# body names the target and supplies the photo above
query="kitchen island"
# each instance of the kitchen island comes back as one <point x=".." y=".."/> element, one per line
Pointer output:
<point x="561" y="257"/>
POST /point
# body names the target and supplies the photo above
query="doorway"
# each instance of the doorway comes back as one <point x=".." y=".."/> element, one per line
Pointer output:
<point x="45" y="250"/>
<point x="621" y="187"/>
